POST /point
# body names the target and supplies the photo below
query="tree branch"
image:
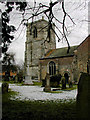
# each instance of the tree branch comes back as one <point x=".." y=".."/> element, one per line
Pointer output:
<point x="64" y="27"/>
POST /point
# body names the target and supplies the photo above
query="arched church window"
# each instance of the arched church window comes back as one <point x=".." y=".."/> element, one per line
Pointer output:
<point x="35" y="32"/>
<point x="52" y="68"/>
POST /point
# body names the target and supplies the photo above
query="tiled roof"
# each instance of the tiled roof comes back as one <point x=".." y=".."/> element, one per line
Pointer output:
<point x="60" y="52"/>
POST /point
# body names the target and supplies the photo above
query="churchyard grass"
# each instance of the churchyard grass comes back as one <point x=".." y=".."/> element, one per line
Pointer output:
<point x="13" y="82"/>
<point x="72" y="88"/>
<point x="37" y="110"/>
<point x="54" y="92"/>
<point x="61" y="91"/>
<point x="10" y="81"/>
<point x="37" y="83"/>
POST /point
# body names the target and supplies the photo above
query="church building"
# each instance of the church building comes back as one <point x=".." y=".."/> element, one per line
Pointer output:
<point x="42" y="56"/>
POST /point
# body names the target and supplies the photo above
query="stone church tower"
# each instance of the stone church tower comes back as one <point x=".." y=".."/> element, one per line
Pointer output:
<point x="36" y="47"/>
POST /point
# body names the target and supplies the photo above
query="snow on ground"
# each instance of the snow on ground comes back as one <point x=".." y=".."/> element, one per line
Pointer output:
<point x="36" y="93"/>
<point x="0" y="84"/>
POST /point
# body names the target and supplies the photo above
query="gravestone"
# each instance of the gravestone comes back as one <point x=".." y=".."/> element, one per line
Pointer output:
<point x="63" y="80"/>
<point x="83" y="97"/>
<point x="47" y="86"/>
<point x="70" y="83"/>
<point x="5" y="87"/>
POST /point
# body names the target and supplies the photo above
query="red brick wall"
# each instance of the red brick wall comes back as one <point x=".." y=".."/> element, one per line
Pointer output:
<point x="83" y="52"/>
<point x="89" y="47"/>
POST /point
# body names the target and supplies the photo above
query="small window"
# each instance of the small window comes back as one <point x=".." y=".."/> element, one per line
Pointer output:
<point x="52" y="68"/>
<point x="30" y="31"/>
<point x="35" y="32"/>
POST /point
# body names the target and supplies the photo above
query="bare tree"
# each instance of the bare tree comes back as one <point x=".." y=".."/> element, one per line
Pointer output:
<point x="48" y="12"/>
<point x="30" y="12"/>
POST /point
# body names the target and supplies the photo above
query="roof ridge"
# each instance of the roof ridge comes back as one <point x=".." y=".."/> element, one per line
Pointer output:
<point x="67" y="47"/>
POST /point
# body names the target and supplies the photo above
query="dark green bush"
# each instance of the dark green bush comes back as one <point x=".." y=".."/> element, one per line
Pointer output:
<point x="55" y="80"/>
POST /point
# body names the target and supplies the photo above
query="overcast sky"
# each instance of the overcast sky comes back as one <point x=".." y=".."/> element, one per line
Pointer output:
<point x="78" y="12"/>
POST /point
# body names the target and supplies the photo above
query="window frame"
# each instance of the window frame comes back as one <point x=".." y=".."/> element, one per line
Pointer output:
<point x="52" y="68"/>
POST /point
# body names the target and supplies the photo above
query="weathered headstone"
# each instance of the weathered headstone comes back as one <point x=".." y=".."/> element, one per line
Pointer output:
<point x="47" y="86"/>
<point x="83" y="97"/>
<point x="4" y="87"/>
<point x="70" y="83"/>
<point x="63" y="80"/>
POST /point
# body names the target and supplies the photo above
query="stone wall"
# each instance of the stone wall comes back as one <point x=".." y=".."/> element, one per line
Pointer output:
<point x="34" y="72"/>
<point x="63" y="65"/>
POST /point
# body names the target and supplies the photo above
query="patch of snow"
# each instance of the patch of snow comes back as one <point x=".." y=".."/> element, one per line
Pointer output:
<point x="36" y="93"/>
<point x="0" y="84"/>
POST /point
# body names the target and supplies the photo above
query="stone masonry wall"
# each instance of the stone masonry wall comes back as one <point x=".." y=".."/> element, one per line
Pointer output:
<point x="62" y="65"/>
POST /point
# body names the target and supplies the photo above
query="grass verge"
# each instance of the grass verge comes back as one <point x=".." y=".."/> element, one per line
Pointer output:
<point x="69" y="89"/>
<point x="37" y="110"/>
<point x="37" y="83"/>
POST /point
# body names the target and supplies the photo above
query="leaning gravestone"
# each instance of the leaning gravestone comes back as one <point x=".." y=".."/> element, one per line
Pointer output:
<point x="83" y="97"/>
<point x="47" y="86"/>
